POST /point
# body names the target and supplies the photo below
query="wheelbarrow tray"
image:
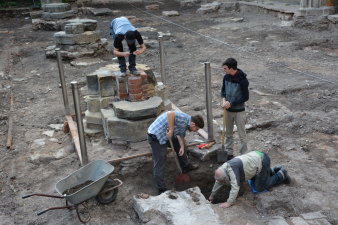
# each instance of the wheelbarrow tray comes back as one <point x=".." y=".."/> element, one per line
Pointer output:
<point x="96" y="171"/>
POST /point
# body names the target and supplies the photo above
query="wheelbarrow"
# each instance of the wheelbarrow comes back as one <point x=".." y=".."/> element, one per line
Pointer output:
<point x="91" y="180"/>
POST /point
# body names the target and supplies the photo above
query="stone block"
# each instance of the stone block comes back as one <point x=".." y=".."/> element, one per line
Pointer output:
<point x="89" y="25"/>
<point x="209" y="8"/>
<point x="153" y="7"/>
<point x="92" y="84"/>
<point x="93" y="103"/>
<point x="76" y="39"/>
<point x="138" y="110"/>
<point x="94" y="118"/>
<point x="298" y="221"/>
<point x="312" y="215"/>
<point x="105" y="101"/>
<point x="74" y="28"/>
<point x="106" y="86"/>
<point x="56" y="7"/>
<point x="43" y="2"/>
<point x="171" y="208"/>
<point x="204" y="154"/>
<point x="58" y="15"/>
<point x="162" y="91"/>
<point x="170" y="13"/>
<point x="277" y="221"/>
<point x="100" y="11"/>
<point x="124" y="130"/>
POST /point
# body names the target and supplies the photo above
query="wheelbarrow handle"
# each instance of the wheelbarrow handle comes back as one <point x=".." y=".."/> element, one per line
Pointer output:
<point x="43" y="195"/>
<point x="42" y="212"/>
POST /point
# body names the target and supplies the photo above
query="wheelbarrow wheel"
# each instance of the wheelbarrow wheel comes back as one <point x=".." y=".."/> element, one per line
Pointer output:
<point x="107" y="197"/>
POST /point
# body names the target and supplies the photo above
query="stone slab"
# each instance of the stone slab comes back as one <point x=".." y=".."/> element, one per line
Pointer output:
<point x="92" y="84"/>
<point x="298" y="221"/>
<point x="209" y="8"/>
<point x="122" y="129"/>
<point x="277" y="221"/>
<point x="89" y="25"/>
<point x="139" y="110"/>
<point x="312" y="215"/>
<point x="74" y="28"/>
<point x="100" y="11"/>
<point x="333" y="18"/>
<point x="56" y="7"/>
<point x="76" y="39"/>
<point x="204" y="154"/>
<point x="93" y="103"/>
<point x="176" y="208"/>
<point x="106" y="86"/>
<point x="58" y="15"/>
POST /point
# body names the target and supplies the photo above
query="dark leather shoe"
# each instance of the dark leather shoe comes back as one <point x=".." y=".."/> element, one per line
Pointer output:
<point x="287" y="178"/>
<point x="230" y="157"/>
<point x="161" y="190"/>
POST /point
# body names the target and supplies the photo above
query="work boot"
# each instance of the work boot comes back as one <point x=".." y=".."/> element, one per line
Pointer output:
<point x="134" y="71"/>
<point x="190" y="167"/>
<point x="275" y="170"/>
<point x="287" y="178"/>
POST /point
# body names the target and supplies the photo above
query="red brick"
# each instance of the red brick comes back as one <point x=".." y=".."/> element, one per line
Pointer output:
<point x="123" y="96"/>
<point x="135" y="81"/>
<point x="134" y="86"/>
<point x="136" y="97"/>
<point x="135" y="91"/>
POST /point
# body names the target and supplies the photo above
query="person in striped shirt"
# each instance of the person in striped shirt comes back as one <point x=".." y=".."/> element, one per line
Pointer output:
<point x="171" y="125"/>
<point x="254" y="166"/>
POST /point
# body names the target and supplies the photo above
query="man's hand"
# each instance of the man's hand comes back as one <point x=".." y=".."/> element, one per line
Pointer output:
<point x="225" y="205"/>
<point x="211" y="198"/>
<point x="181" y="152"/>
<point x="226" y="104"/>
<point x="137" y="52"/>
<point x="125" y="54"/>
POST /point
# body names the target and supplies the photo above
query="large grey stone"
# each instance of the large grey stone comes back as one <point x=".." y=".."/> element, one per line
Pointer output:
<point x="58" y="15"/>
<point x="56" y="7"/>
<point x="312" y="215"/>
<point x="106" y="86"/>
<point x="93" y="103"/>
<point x="122" y="129"/>
<point x="205" y="154"/>
<point x="138" y="110"/>
<point x="101" y="11"/>
<point x="93" y="117"/>
<point x="74" y="39"/>
<point x="89" y="25"/>
<point x="176" y="208"/>
<point x="209" y="8"/>
<point x="92" y="84"/>
<point x="74" y="28"/>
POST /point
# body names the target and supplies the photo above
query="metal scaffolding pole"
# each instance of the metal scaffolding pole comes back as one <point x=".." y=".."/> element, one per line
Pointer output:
<point x="84" y="155"/>
<point x="162" y="60"/>
<point x="63" y="82"/>
<point x="209" y="101"/>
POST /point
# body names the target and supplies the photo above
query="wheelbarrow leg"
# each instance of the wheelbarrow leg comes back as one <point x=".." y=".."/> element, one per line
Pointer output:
<point x="54" y="208"/>
<point x="78" y="213"/>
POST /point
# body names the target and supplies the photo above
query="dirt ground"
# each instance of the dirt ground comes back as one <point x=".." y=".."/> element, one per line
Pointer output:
<point x="291" y="115"/>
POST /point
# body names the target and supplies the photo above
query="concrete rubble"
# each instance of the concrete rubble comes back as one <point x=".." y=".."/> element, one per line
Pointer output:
<point x="176" y="208"/>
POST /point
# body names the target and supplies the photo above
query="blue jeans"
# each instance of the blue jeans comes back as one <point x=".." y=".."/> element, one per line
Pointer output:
<point x="160" y="157"/>
<point x="264" y="180"/>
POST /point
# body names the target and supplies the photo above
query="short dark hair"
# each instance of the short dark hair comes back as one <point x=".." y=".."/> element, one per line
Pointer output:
<point x="198" y="120"/>
<point x="230" y="63"/>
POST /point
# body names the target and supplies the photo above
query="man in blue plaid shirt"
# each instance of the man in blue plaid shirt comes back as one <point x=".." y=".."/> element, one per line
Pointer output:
<point x="172" y="125"/>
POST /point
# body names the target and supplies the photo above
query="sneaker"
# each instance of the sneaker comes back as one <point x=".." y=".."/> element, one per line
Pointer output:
<point x="190" y="167"/>
<point x="287" y="178"/>
<point x="120" y="74"/>
<point x="134" y="71"/>
<point x="230" y="157"/>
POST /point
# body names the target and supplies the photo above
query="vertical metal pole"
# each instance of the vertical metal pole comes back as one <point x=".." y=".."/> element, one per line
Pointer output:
<point x="162" y="60"/>
<point x="209" y="101"/>
<point x="78" y="114"/>
<point x="63" y="83"/>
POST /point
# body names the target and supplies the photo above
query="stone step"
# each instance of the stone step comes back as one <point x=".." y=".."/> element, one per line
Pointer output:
<point x="89" y="25"/>
<point x="139" y="110"/>
<point x="87" y="37"/>
<point x="56" y="7"/>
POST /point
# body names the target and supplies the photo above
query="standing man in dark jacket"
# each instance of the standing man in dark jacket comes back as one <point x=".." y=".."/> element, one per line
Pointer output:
<point x="122" y="29"/>
<point x="235" y="93"/>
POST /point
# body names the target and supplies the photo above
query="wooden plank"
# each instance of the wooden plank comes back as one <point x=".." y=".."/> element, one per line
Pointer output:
<point x="9" y="142"/>
<point x="200" y="131"/>
<point x="75" y="135"/>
